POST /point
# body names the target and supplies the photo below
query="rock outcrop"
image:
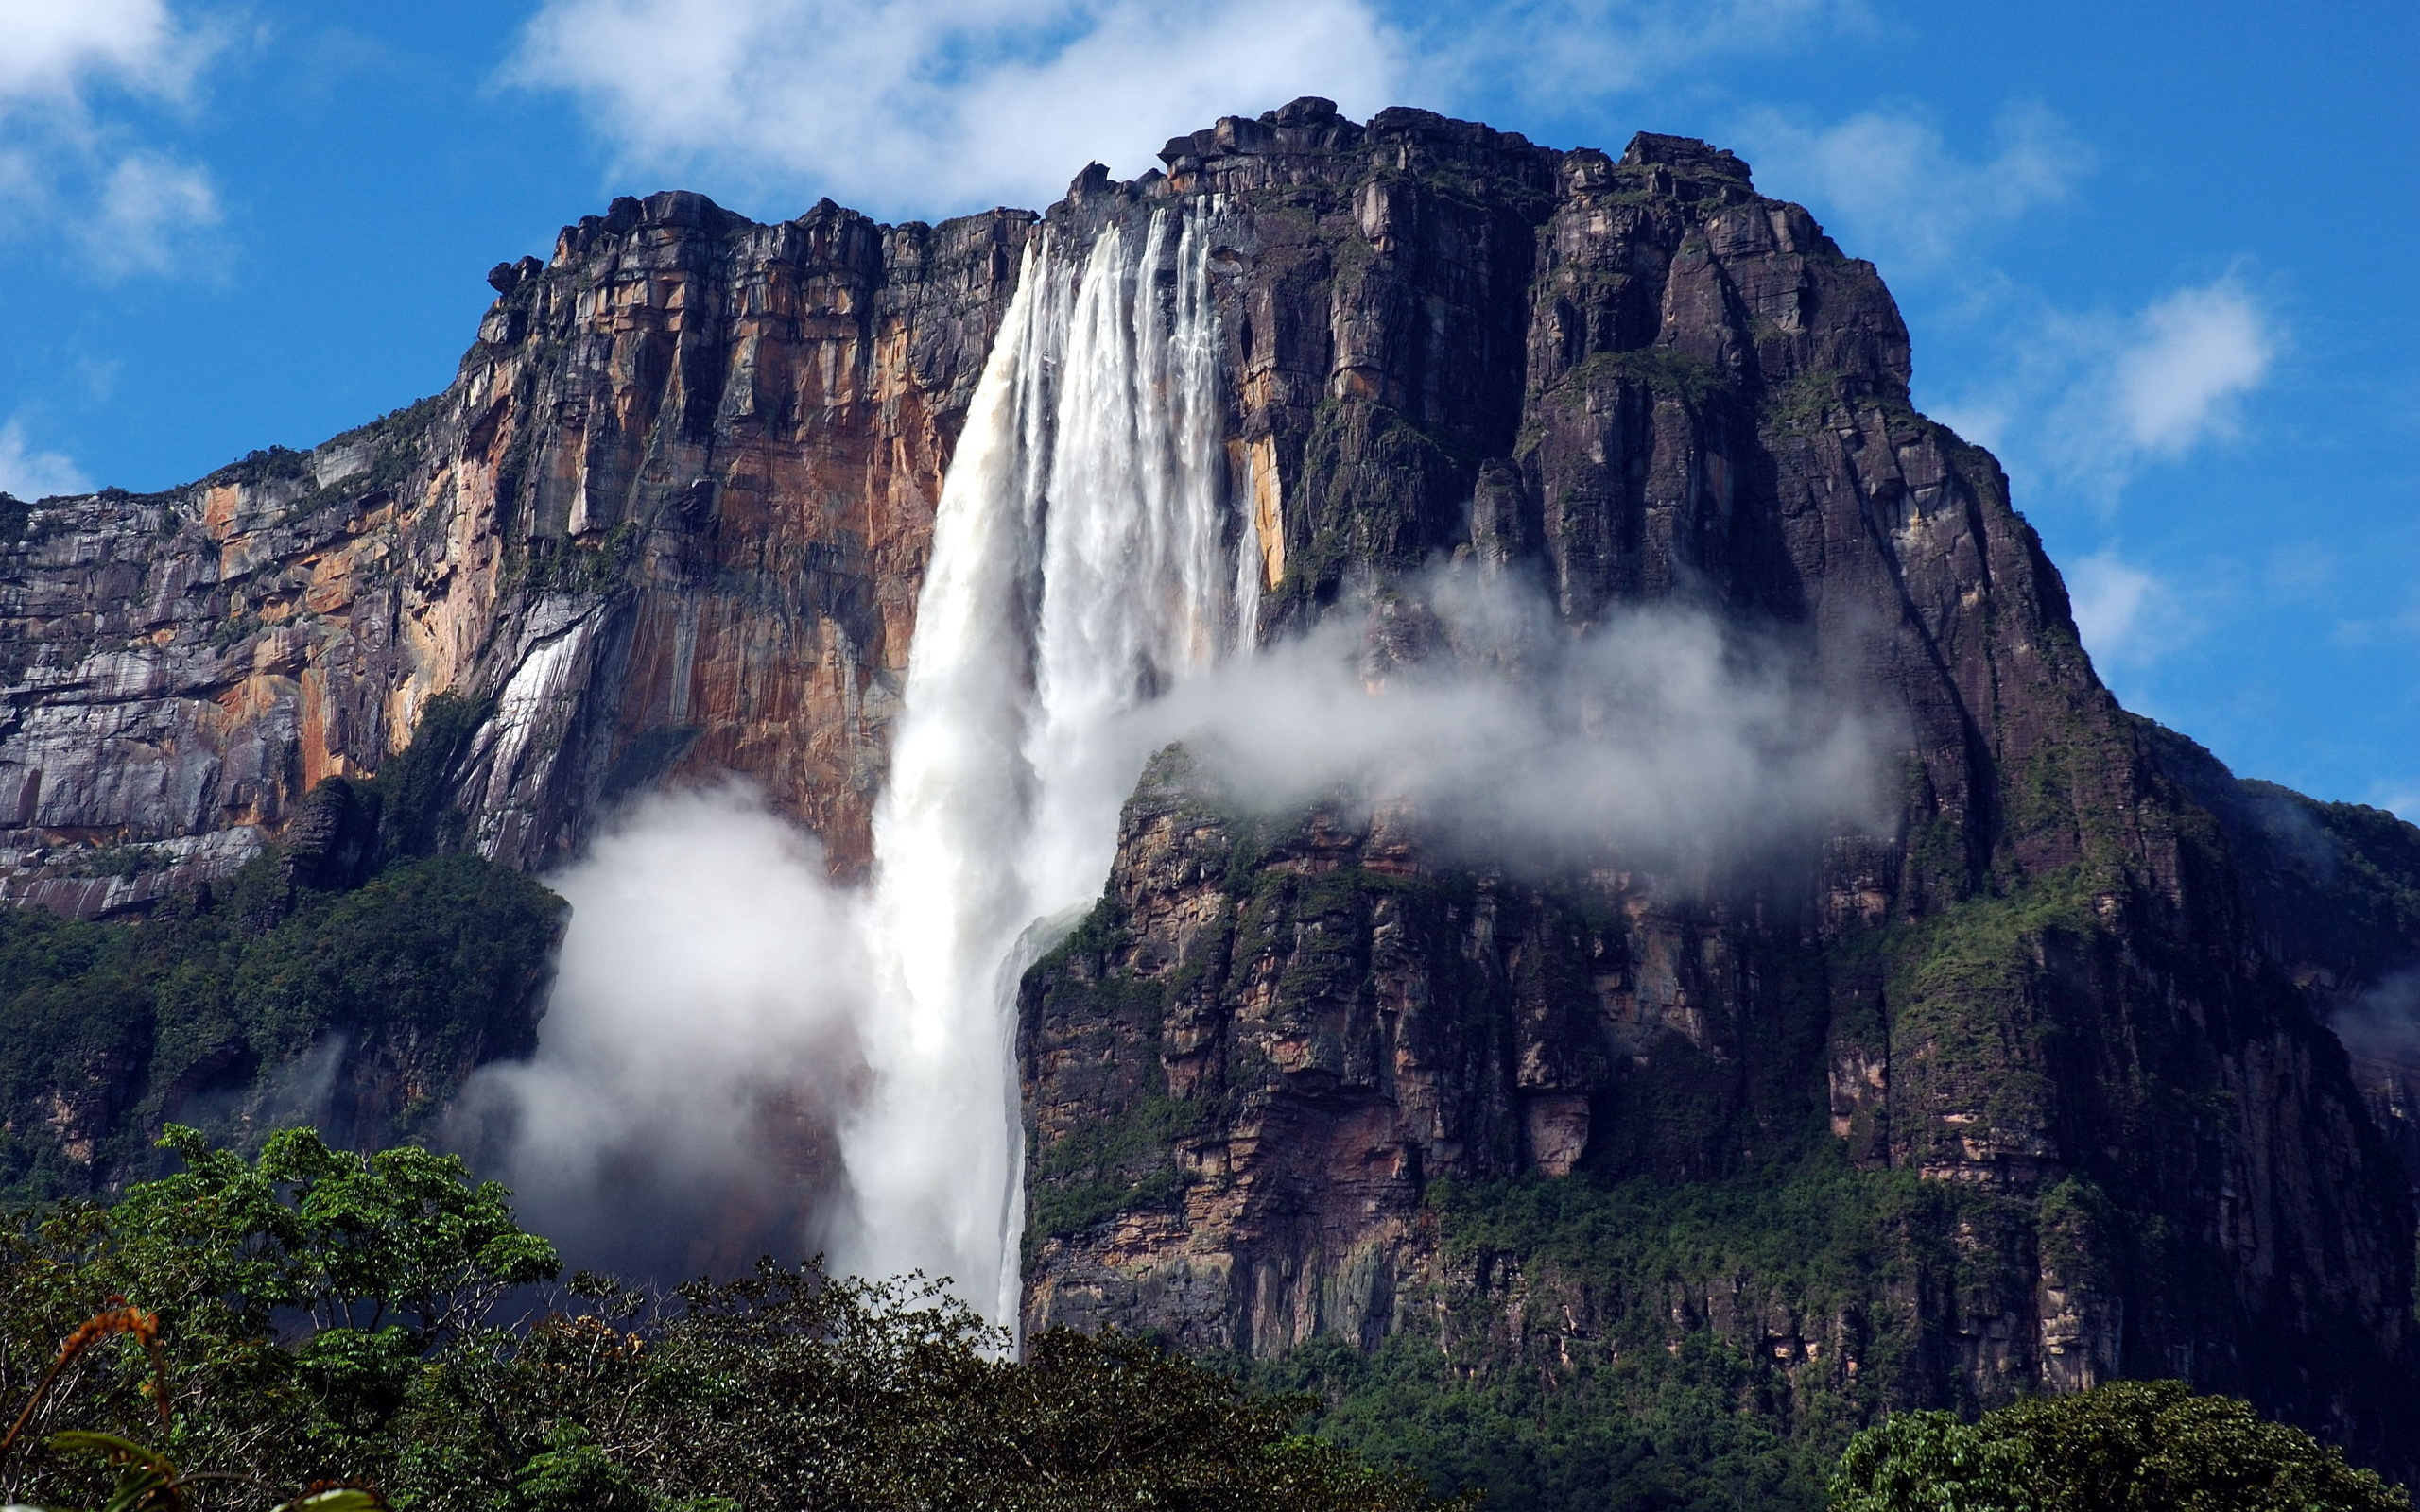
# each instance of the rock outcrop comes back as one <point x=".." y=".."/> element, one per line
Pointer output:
<point x="669" y="517"/>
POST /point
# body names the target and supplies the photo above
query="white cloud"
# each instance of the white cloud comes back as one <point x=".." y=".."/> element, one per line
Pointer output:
<point x="1894" y="189"/>
<point x="2087" y="402"/>
<point x="1576" y="52"/>
<point x="2152" y="386"/>
<point x="2193" y="355"/>
<point x="2127" y="616"/>
<point x="71" y="78"/>
<point x="146" y="214"/>
<point x="29" y="474"/>
<point x="57" y="51"/>
<point x="928" y="106"/>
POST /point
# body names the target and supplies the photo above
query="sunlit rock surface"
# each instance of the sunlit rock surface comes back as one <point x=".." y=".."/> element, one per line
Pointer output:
<point x="670" y="517"/>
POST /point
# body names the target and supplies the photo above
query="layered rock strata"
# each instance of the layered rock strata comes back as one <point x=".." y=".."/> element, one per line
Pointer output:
<point x="669" y="519"/>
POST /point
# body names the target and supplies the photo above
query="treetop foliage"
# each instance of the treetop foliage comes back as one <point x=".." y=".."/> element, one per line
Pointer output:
<point x="2128" y="1446"/>
<point x="326" y="1317"/>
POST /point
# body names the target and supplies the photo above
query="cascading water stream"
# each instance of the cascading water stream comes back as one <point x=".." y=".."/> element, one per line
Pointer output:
<point x="1085" y="559"/>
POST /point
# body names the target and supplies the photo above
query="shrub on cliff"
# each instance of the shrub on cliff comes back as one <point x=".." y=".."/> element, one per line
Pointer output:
<point x="2129" y="1446"/>
<point x="323" y="1316"/>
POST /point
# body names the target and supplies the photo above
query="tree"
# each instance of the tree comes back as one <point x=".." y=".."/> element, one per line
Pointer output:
<point x="314" y="1315"/>
<point x="2129" y="1446"/>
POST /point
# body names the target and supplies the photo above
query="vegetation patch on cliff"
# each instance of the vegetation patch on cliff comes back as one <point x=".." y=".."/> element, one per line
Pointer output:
<point x="234" y="1004"/>
<point x="354" y="978"/>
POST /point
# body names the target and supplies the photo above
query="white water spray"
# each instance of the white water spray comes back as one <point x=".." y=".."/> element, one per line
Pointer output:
<point x="1085" y="559"/>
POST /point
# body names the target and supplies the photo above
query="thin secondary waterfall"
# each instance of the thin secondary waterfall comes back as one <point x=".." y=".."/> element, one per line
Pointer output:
<point x="1085" y="559"/>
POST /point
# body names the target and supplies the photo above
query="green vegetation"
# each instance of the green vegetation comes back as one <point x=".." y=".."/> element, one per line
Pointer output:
<point x="206" y="1007"/>
<point x="2129" y="1446"/>
<point x="551" y="566"/>
<point x="2370" y="876"/>
<point x="320" y="1316"/>
<point x="1682" y="1346"/>
<point x="1696" y="1347"/>
<point x="210" y="1010"/>
<point x="1110" y="1166"/>
<point x="1662" y="369"/>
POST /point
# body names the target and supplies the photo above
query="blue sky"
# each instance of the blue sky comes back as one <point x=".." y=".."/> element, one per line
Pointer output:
<point x="2160" y="258"/>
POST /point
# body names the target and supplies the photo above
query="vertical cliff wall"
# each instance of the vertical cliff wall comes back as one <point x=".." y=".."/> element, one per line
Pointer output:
<point x="669" y="517"/>
<point x="1257" y="1078"/>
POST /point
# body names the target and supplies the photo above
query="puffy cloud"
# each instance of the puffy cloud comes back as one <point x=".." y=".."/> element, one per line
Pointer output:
<point x="1895" y="188"/>
<point x="56" y="53"/>
<point x="2191" y="357"/>
<point x="926" y="106"/>
<point x="70" y="158"/>
<point x="29" y="474"/>
<point x="929" y="106"/>
<point x="697" y="1038"/>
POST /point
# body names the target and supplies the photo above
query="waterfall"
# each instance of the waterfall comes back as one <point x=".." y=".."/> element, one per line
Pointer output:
<point x="1085" y="559"/>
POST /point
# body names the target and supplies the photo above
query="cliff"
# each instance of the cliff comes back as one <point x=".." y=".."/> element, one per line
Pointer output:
<point x="670" y="516"/>
<point x="1293" y="1077"/>
<point x="2038" y="1073"/>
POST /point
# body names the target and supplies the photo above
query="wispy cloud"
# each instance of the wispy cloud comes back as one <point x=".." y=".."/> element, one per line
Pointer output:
<point x="2190" y="358"/>
<point x="929" y="106"/>
<point x="1892" y="184"/>
<point x="27" y="473"/>
<point x="149" y="216"/>
<point x="2128" y="616"/>
<point x="2083" y="403"/>
<point x="1565" y="53"/>
<point x="70" y="158"/>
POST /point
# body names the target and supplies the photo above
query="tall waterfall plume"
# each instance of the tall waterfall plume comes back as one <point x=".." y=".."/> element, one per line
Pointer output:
<point x="1086" y="559"/>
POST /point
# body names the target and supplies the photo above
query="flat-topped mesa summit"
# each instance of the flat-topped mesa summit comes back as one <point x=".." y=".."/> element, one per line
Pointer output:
<point x="671" y="520"/>
<point x="682" y="485"/>
<point x="670" y="516"/>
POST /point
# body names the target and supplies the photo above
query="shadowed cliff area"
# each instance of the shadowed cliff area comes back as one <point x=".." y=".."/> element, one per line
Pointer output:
<point x="1549" y="1172"/>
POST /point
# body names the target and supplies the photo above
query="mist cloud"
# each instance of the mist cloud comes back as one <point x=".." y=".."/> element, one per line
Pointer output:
<point x="1660" y="738"/>
<point x="2384" y="1022"/>
<point x="714" y="1038"/>
<point x="698" y="1038"/>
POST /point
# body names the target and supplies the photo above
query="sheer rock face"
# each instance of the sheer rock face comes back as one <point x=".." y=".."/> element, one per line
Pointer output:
<point x="670" y="518"/>
<point x="1638" y="381"/>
